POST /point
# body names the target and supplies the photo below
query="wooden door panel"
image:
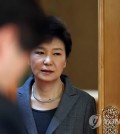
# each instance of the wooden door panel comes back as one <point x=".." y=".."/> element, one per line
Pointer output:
<point x="109" y="55"/>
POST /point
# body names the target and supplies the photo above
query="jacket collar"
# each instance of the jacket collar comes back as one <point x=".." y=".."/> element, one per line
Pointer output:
<point x="69" y="98"/>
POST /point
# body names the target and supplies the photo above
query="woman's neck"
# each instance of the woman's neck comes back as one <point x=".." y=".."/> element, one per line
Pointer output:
<point x="48" y="90"/>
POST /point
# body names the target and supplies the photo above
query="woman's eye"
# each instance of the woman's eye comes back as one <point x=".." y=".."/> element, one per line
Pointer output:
<point x="57" y="53"/>
<point x="40" y="53"/>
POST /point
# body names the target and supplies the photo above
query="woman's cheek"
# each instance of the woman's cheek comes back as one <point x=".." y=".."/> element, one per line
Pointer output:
<point x="36" y="67"/>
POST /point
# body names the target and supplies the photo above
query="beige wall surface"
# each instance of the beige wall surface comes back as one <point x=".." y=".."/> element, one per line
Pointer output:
<point x="80" y="16"/>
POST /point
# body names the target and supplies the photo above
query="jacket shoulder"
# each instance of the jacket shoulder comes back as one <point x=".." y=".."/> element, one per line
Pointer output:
<point x="26" y="85"/>
<point x="83" y="95"/>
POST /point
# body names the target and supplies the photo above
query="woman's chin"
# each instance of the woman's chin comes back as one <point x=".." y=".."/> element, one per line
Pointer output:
<point x="47" y="79"/>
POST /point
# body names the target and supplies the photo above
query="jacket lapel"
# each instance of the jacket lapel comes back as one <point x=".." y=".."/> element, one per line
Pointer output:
<point x="24" y="103"/>
<point x="69" y="98"/>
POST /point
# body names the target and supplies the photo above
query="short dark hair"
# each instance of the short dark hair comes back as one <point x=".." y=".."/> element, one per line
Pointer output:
<point x="53" y="27"/>
<point x="25" y="14"/>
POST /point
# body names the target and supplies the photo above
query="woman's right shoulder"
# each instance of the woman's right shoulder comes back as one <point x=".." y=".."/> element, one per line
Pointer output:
<point x="26" y="85"/>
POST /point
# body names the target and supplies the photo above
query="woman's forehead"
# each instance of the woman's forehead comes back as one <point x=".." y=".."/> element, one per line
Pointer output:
<point x="56" y="44"/>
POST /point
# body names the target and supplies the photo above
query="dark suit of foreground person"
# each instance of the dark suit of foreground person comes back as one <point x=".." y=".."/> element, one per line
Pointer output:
<point x="50" y="104"/>
<point x="10" y="118"/>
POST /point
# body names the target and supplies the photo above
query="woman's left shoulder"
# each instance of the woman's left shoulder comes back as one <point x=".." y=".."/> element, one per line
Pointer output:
<point x="83" y="95"/>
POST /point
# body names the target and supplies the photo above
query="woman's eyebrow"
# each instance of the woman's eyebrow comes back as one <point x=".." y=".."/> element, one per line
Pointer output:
<point x="42" y="48"/>
<point x="58" y="49"/>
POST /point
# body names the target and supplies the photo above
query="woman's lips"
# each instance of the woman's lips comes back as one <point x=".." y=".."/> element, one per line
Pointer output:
<point x="47" y="71"/>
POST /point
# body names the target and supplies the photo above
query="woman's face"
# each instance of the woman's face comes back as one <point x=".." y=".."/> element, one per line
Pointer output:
<point x="48" y="60"/>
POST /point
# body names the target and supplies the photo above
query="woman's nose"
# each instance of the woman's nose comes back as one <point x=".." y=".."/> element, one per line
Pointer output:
<point x="47" y="60"/>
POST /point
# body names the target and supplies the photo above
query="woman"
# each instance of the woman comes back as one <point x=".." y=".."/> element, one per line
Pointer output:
<point x="48" y="101"/>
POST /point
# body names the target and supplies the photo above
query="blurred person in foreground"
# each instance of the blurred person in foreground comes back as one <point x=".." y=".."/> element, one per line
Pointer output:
<point x="18" y="33"/>
<point x="50" y="104"/>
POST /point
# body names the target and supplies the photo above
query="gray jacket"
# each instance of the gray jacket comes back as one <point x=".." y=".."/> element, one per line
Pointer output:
<point x="72" y="115"/>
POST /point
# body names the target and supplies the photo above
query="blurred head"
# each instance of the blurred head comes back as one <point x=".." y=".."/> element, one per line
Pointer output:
<point x="48" y="60"/>
<point x="18" y="23"/>
<point x="13" y="59"/>
<point x="26" y="15"/>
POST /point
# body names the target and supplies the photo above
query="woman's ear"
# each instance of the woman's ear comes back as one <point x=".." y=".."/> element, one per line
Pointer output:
<point x="65" y="64"/>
